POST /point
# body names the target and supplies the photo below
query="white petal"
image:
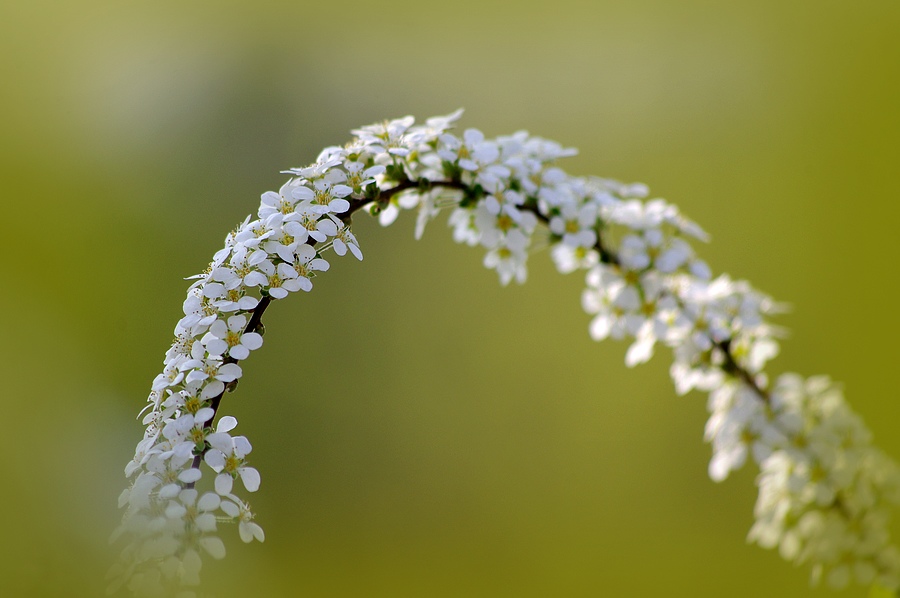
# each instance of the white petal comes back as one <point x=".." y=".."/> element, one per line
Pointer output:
<point x="169" y="491"/>
<point x="327" y="226"/>
<point x="285" y="271"/>
<point x="316" y="209"/>
<point x="226" y="424"/>
<point x="175" y="511"/>
<point x="319" y="265"/>
<point x="196" y="376"/>
<point x="239" y="352"/>
<point x="213" y="389"/>
<point x="255" y="279"/>
<point x="215" y="459"/>
<point x="388" y="215"/>
<point x="184" y="451"/>
<point x="189" y="476"/>
<point x="303" y="193"/>
<point x="219" y="329"/>
<point x="214" y="546"/>
<point x="250" y="530"/>
<point x="242" y="446"/>
<point x="292" y="285"/>
<point x="216" y="346"/>
<point x="284" y="253"/>
<point x="204" y="415"/>
<point x="205" y="522"/>
<point x="245" y="532"/>
<point x="258" y="532"/>
<point x="230" y="509"/>
<point x="213" y="289"/>
<point x="237" y="323"/>
<point x="209" y="502"/>
<point x="600" y="327"/>
<point x="191" y="564"/>
<point x="305" y="253"/>
<point x="250" y="477"/>
<point x="188" y="496"/>
<point x="270" y="198"/>
<point x="224" y="483"/>
<point x="247" y="303"/>
<point x="229" y="372"/>
<point x="640" y="351"/>
<point x="339" y="206"/>
<point x="252" y="341"/>
<point x="341" y="191"/>
<point x="223" y="274"/>
<point x="221" y="441"/>
<point x="257" y="258"/>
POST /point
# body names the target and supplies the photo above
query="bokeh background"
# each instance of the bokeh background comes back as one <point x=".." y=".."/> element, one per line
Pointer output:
<point x="420" y="430"/>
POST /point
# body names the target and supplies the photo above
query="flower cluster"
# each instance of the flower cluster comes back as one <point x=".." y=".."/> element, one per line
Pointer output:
<point x="824" y="491"/>
<point x="823" y="488"/>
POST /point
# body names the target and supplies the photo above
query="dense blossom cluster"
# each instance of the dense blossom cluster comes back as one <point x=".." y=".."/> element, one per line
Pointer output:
<point x="823" y="489"/>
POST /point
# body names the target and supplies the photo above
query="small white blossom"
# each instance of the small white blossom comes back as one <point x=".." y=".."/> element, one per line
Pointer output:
<point x="227" y="459"/>
<point x="344" y="240"/>
<point x="576" y="225"/>
<point x="231" y="338"/>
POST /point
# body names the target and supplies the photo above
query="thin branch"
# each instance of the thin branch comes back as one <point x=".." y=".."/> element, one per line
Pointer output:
<point x="730" y="365"/>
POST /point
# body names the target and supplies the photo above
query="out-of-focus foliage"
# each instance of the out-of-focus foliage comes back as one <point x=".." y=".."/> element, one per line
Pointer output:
<point x="442" y="436"/>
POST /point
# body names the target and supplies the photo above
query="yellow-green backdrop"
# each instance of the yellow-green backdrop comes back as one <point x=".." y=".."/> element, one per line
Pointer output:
<point x="420" y="430"/>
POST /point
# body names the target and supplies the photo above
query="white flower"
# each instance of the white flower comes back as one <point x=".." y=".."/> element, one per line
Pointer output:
<point x="344" y="240"/>
<point x="309" y="225"/>
<point x="433" y="128"/>
<point x="616" y="301"/>
<point x="248" y="529"/>
<point x="331" y="196"/>
<point x="388" y="136"/>
<point x="236" y="275"/>
<point x="181" y="345"/>
<point x="739" y="424"/>
<point x="575" y="224"/>
<point x="226" y="458"/>
<point x="569" y="259"/>
<point x="199" y="313"/>
<point x="359" y="177"/>
<point x="253" y="233"/>
<point x="660" y="318"/>
<point x="510" y="226"/>
<point x="280" y="279"/>
<point x="465" y="227"/>
<point x="278" y="203"/>
<point x="172" y="375"/>
<point x="283" y="243"/>
<point x="230" y="337"/>
<point x="508" y="262"/>
<point x="202" y="366"/>
<point x="476" y="152"/>
<point x="304" y="267"/>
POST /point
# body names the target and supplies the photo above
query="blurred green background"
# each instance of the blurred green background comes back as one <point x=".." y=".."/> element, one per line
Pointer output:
<point x="420" y="430"/>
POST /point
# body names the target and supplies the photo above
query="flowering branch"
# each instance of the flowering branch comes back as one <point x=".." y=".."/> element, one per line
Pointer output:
<point x="824" y="490"/>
